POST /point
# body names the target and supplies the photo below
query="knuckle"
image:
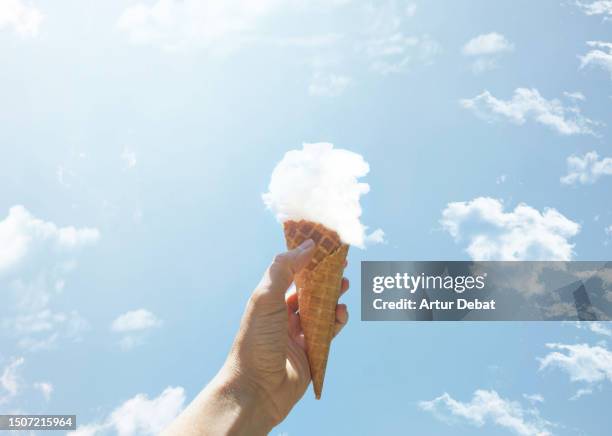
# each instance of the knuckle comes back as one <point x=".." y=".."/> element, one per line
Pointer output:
<point x="280" y="259"/>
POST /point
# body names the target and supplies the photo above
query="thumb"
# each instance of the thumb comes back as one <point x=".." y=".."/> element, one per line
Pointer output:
<point x="279" y="275"/>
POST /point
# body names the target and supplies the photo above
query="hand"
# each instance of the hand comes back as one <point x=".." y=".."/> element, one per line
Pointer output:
<point x="269" y="352"/>
<point x="266" y="371"/>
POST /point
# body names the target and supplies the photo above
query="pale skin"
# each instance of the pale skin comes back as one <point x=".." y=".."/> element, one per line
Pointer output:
<point x="266" y="372"/>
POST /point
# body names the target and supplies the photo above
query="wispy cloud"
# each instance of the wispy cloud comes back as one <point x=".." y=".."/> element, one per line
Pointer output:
<point x="600" y="56"/>
<point x="42" y="329"/>
<point x="534" y="398"/>
<point x="397" y="52"/>
<point x="135" y="320"/>
<point x="587" y="169"/>
<point x="582" y="362"/>
<point x="35" y="257"/>
<point x="528" y="104"/>
<point x="387" y="45"/>
<point x="139" y="415"/>
<point x="10" y="382"/>
<point x="487" y="44"/>
<point x="600" y="328"/>
<point x="45" y="388"/>
<point x="375" y="237"/>
<point x="489" y="407"/>
<point x="574" y="95"/>
<point x="133" y="325"/>
<point x="597" y="327"/>
<point x="21" y="17"/>
<point x="522" y="234"/>
<point x="486" y="49"/>
<point x="599" y="7"/>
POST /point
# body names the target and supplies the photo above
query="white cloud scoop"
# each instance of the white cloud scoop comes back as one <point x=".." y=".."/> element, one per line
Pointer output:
<point x="320" y="183"/>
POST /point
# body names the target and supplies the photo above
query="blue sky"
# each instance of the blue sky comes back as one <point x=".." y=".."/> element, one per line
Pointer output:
<point x="136" y="141"/>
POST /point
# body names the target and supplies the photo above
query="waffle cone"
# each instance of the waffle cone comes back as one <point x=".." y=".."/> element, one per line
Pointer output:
<point x="318" y="287"/>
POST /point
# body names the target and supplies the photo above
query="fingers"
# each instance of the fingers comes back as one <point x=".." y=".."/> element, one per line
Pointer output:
<point x="344" y="286"/>
<point x="295" y="329"/>
<point x="279" y="275"/>
<point x="342" y="317"/>
<point x="292" y="298"/>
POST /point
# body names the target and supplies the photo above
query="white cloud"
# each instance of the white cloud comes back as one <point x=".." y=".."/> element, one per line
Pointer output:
<point x="10" y="381"/>
<point x="488" y="407"/>
<point x="600" y="328"/>
<point x="139" y="415"/>
<point x="23" y="18"/>
<point x="608" y="230"/>
<point x="522" y="234"/>
<point x="488" y="48"/>
<point x="581" y="393"/>
<point x="600" y="56"/>
<point x="133" y="325"/>
<point x="574" y="95"/>
<point x="135" y="320"/>
<point x="45" y="388"/>
<point x="487" y="44"/>
<point x="529" y="104"/>
<point x="21" y="235"/>
<point x="129" y="157"/>
<point x="582" y="362"/>
<point x="376" y="237"/>
<point x="599" y="7"/>
<point x="328" y="85"/>
<point x="35" y="255"/>
<point x="586" y="169"/>
<point x="534" y="398"/>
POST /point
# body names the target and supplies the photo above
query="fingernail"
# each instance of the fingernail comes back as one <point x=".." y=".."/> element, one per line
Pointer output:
<point x="306" y="244"/>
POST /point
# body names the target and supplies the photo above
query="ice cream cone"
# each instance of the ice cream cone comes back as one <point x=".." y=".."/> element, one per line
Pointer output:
<point x="318" y="287"/>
